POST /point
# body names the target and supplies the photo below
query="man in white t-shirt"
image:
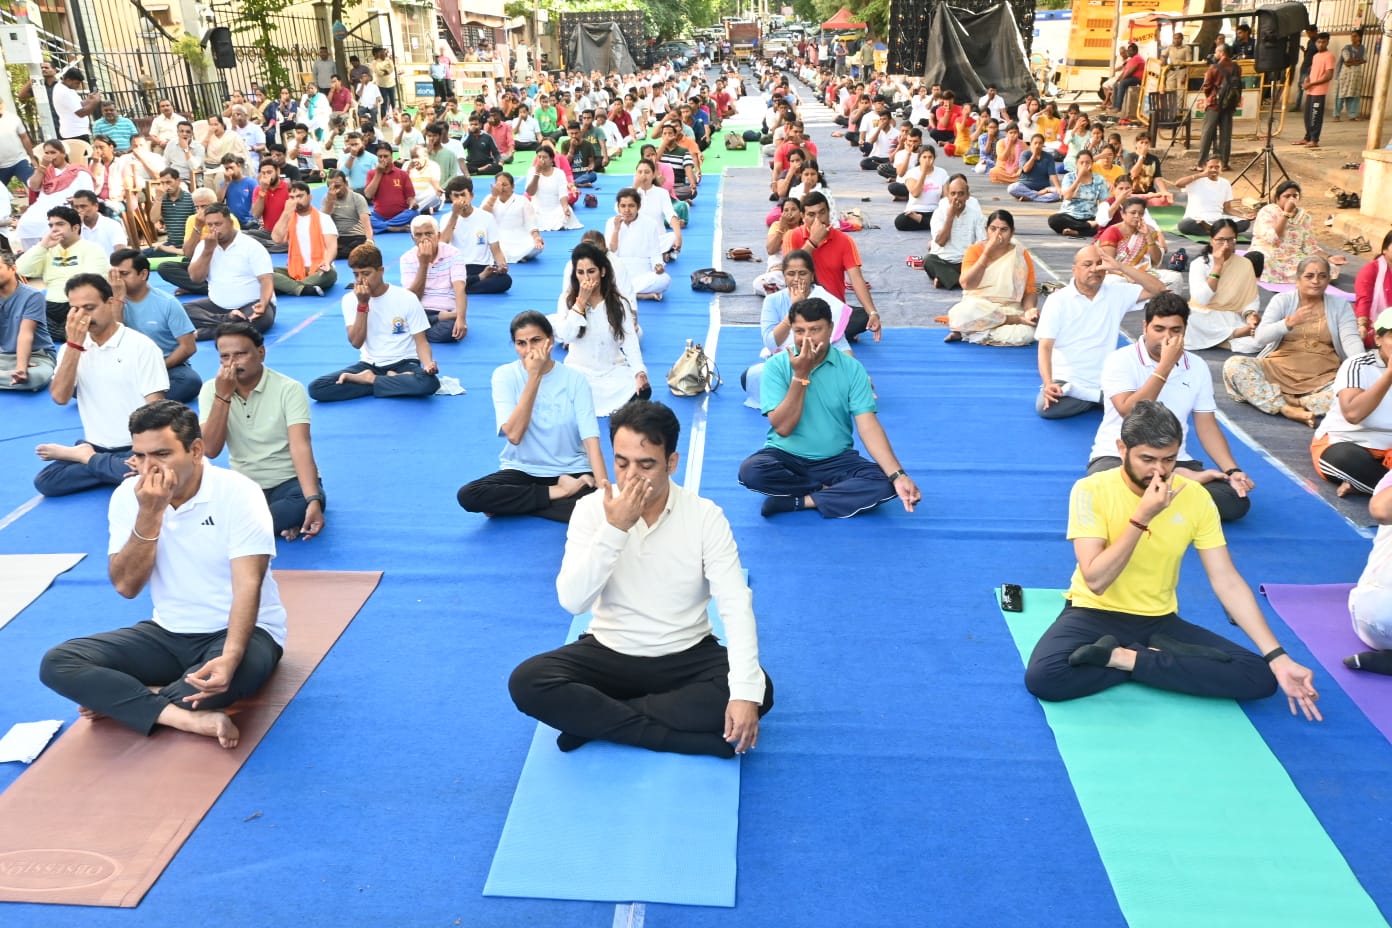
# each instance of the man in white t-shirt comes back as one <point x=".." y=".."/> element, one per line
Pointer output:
<point x="957" y="223"/>
<point x="70" y="110"/>
<point x="112" y="370"/>
<point x="312" y="240"/>
<point x="993" y="104"/>
<point x="475" y="233"/>
<point x="1078" y="328"/>
<point x="1157" y="367"/>
<point x="238" y="271"/>
<point x="251" y="134"/>
<point x="388" y="325"/>
<point x="200" y="538"/>
<point x="1207" y="193"/>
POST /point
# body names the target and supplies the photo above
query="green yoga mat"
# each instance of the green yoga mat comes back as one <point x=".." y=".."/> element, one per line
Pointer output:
<point x="1197" y="823"/>
<point x="1168" y="217"/>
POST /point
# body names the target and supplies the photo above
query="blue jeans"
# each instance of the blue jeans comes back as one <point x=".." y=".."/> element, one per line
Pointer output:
<point x="184" y="383"/>
<point x="288" y="504"/>
<point x="107" y="468"/>
<point x="24" y="169"/>
<point x="585" y="178"/>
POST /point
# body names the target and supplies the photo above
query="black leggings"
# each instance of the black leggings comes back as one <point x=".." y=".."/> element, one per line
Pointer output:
<point x="516" y="493"/>
<point x="906" y="223"/>
<point x="1060" y="222"/>
<point x="1344" y="461"/>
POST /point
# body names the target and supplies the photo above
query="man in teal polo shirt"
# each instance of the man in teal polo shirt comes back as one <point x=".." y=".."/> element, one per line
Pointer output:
<point x="813" y="399"/>
<point x="262" y="416"/>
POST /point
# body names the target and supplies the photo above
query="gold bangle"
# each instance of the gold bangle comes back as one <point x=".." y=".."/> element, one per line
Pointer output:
<point x="1162" y="379"/>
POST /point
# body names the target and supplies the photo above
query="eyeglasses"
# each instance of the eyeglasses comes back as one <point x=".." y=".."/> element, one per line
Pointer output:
<point x="1224" y="241"/>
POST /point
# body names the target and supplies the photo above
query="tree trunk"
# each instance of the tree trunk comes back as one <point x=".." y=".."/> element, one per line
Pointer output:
<point x="1209" y="28"/>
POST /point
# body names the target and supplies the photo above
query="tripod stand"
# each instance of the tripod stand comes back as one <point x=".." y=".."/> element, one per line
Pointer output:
<point x="1267" y="156"/>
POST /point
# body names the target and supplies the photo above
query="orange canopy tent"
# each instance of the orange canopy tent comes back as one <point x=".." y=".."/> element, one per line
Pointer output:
<point x="842" y="20"/>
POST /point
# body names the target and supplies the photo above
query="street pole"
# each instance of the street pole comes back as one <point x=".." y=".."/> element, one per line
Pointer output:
<point x="1384" y="75"/>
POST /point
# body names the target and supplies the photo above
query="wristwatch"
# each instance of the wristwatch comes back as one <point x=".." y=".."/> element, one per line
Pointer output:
<point x="316" y="498"/>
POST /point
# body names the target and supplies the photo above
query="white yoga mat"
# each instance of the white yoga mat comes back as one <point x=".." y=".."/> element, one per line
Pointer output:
<point x="24" y="576"/>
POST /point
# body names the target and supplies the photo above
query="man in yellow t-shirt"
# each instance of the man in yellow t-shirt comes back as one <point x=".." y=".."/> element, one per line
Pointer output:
<point x="1130" y="528"/>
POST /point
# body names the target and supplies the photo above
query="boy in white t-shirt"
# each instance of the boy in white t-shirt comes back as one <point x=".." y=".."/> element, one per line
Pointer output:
<point x="388" y="325"/>
<point x="1207" y="193"/>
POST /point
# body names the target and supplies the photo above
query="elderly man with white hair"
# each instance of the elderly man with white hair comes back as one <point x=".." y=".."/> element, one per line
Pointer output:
<point x="251" y="134"/>
<point x="436" y="273"/>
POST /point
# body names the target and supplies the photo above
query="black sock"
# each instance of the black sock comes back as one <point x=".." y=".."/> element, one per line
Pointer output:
<point x="773" y="505"/>
<point x="1371" y="661"/>
<point x="568" y="742"/>
<point x="1185" y="649"/>
<point x="1097" y="654"/>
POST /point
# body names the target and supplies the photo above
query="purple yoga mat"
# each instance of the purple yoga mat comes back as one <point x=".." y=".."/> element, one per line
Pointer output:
<point x="1319" y="615"/>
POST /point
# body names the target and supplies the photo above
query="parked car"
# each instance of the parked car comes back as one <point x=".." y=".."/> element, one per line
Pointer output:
<point x="679" y="53"/>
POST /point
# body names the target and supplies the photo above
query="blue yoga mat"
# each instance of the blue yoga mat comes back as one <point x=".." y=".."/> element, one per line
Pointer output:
<point x="610" y="823"/>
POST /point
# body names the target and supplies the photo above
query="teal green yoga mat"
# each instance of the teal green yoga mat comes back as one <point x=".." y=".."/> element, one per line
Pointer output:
<point x="1197" y="823"/>
<point x="611" y="823"/>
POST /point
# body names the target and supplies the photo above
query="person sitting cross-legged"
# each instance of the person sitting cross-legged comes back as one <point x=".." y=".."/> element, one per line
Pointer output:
<point x="182" y="524"/>
<point x="387" y="324"/>
<point x="160" y="317"/>
<point x="813" y="399"/>
<point x="545" y="411"/>
<point x="957" y="224"/>
<point x="1158" y="368"/>
<point x="1039" y="182"/>
<point x="26" y="348"/>
<point x="262" y="417"/>
<point x="176" y="273"/>
<point x="312" y="244"/>
<point x="238" y="271"/>
<point x="435" y="273"/>
<point x="1369" y="605"/>
<point x="475" y="234"/>
<point x="112" y="370"/>
<point x="1130" y="527"/>
<point x="645" y="561"/>
<point x="391" y="194"/>
<point x="1078" y="328"/>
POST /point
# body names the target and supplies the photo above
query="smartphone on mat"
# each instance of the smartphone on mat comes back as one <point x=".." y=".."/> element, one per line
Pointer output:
<point x="1012" y="598"/>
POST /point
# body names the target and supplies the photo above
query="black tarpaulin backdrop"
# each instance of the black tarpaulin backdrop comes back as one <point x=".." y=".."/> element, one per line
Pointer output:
<point x="966" y="51"/>
<point x="909" y="38"/>
<point x="599" y="47"/>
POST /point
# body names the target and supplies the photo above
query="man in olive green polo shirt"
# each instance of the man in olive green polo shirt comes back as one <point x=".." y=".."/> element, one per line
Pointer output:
<point x="262" y="417"/>
<point x="814" y="399"/>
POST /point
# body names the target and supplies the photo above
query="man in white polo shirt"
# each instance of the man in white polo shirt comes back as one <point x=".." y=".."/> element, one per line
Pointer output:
<point x="1078" y="328"/>
<point x="1206" y="192"/>
<point x="239" y="274"/>
<point x="388" y="325"/>
<point x="113" y="370"/>
<point x="199" y="536"/>
<point x="1157" y="367"/>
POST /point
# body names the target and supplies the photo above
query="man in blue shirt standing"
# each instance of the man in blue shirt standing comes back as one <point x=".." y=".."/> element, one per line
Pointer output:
<point x="814" y="399"/>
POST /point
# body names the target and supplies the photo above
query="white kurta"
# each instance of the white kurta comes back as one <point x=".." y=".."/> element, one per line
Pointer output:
<point x="656" y="204"/>
<point x="516" y="218"/>
<point x="550" y="202"/>
<point x="609" y="365"/>
<point x="640" y="251"/>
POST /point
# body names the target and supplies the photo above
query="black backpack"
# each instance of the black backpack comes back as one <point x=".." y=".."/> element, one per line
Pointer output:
<point x="1230" y="89"/>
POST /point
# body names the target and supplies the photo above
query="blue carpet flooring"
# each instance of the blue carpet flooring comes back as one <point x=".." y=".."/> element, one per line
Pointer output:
<point x="904" y="777"/>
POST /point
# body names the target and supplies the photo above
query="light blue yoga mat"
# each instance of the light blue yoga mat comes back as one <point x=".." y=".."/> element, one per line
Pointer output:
<point x="609" y="823"/>
<point x="1196" y="821"/>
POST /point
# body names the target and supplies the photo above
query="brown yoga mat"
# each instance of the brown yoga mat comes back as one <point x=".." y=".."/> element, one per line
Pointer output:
<point x="100" y="814"/>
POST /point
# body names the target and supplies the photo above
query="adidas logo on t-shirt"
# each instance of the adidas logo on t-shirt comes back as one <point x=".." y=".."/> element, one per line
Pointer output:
<point x="207" y="521"/>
